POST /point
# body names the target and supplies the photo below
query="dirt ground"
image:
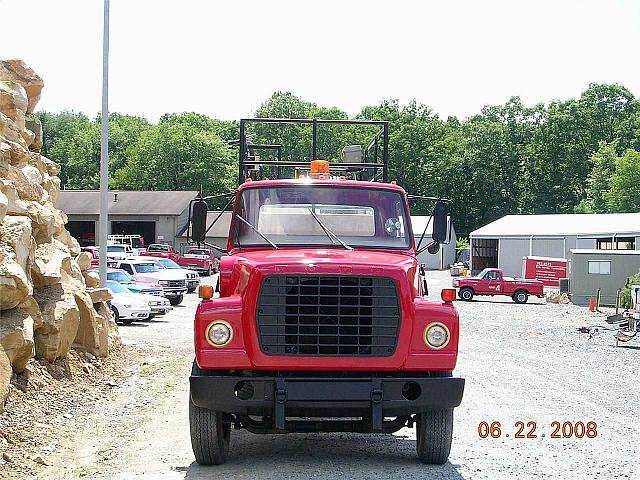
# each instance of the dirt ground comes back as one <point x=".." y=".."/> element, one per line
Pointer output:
<point x="521" y="363"/>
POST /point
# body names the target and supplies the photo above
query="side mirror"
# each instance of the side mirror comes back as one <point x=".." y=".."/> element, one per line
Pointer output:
<point x="440" y="222"/>
<point x="199" y="221"/>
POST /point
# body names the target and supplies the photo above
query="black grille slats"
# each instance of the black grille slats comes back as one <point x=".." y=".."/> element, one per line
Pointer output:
<point x="324" y="315"/>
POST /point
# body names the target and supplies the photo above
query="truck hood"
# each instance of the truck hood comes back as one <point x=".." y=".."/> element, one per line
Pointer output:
<point x="325" y="257"/>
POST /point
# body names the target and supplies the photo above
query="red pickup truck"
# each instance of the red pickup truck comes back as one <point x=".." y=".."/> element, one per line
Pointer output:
<point x="491" y="281"/>
<point x="196" y="258"/>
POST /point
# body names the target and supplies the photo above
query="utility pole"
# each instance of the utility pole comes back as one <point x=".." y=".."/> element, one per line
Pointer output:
<point x="104" y="149"/>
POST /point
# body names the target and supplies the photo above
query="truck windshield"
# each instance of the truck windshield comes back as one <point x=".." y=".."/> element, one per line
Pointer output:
<point x="146" y="268"/>
<point x="361" y="217"/>
<point x="119" y="276"/>
<point x="167" y="263"/>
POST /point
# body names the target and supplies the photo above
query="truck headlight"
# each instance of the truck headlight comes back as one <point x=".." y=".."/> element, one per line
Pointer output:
<point x="436" y="335"/>
<point x="164" y="282"/>
<point x="219" y="333"/>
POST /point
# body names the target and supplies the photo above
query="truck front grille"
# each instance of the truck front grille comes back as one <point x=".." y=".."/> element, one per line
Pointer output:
<point x="324" y="315"/>
<point x="176" y="283"/>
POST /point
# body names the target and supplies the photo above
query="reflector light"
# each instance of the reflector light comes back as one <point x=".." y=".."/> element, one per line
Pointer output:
<point x="319" y="166"/>
<point x="205" y="292"/>
<point x="448" y="295"/>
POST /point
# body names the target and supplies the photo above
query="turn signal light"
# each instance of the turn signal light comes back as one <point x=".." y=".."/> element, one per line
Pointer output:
<point x="448" y="294"/>
<point x="205" y="292"/>
<point x="319" y="166"/>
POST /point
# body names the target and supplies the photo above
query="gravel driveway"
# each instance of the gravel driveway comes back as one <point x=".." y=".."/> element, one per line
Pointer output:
<point x="521" y="363"/>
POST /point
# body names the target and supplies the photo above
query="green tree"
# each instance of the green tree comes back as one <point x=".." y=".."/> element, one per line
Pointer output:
<point x="598" y="181"/>
<point x="624" y="195"/>
<point x="175" y="155"/>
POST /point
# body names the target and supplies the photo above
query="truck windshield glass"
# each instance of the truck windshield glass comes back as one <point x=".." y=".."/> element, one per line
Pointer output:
<point x="361" y="217"/>
<point x="115" y="248"/>
<point x="119" y="276"/>
<point x="167" y="263"/>
<point x="146" y="268"/>
<point x="115" y="287"/>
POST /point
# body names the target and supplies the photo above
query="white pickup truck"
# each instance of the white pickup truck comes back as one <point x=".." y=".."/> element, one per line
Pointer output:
<point x="173" y="283"/>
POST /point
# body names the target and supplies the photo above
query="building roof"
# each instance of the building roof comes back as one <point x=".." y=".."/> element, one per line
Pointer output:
<point x="578" y="224"/>
<point x="161" y="202"/>
<point x="589" y="251"/>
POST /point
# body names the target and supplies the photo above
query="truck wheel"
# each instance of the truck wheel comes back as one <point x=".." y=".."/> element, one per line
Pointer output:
<point x="466" y="294"/>
<point x="434" y="432"/>
<point x="520" y="296"/>
<point x="210" y="432"/>
<point x="176" y="300"/>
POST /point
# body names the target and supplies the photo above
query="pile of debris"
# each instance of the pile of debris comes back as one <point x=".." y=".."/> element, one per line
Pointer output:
<point x="557" y="297"/>
<point x="49" y="302"/>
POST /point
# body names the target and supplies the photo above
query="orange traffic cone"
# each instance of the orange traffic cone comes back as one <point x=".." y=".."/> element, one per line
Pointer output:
<point x="592" y="305"/>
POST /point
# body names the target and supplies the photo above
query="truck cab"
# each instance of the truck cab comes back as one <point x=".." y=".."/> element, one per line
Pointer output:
<point x="320" y="322"/>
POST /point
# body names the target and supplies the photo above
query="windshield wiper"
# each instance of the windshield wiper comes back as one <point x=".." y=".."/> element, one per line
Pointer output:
<point x="257" y="231"/>
<point x="328" y="232"/>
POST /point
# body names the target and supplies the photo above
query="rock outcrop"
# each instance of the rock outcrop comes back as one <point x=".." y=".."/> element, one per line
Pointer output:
<point x="49" y="302"/>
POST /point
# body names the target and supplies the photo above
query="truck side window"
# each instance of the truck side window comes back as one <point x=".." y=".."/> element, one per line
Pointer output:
<point x="127" y="268"/>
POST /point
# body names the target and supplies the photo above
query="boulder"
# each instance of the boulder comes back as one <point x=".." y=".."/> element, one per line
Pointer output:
<point x="27" y="190"/>
<point x="10" y="131"/>
<point x="16" y="337"/>
<point x="5" y="378"/>
<point x="15" y="206"/>
<point x="17" y="71"/>
<point x="19" y="156"/>
<point x="36" y="127"/>
<point x="32" y="173"/>
<point x="88" y="334"/>
<point x="60" y="320"/>
<point x="14" y="283"/>
<point x="13" y="102"/>
<point x="64" y="237"/>
<point x="4" y="205"/>
<point x="15" y="235"/>
<point x="53" y="168"/>
<point x="84" y="261"/>
<point x="43" y="222"/>
<point x="99" y="294"/>
<point x="91" y="279"/>
<point x="48" y="265"/>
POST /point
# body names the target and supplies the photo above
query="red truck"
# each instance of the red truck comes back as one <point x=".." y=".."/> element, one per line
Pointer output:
<point x="491" y="281"/>
<point x="321" y="323"/>
<point x="196" y="258"/>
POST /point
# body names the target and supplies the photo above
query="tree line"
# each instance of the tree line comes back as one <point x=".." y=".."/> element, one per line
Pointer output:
<point x="575" y="155"/>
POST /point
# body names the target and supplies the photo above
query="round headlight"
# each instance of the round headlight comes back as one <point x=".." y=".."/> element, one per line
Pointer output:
<point x="436" y="335"/>
<point x="219" y="333"/>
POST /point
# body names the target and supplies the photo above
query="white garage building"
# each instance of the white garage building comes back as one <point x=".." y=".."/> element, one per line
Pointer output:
<point x="506" y="241"/>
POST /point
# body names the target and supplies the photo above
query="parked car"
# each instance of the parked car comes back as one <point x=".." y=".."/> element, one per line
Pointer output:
<point x="133" y="285"/>
<point x="491" y="281"/>
<point x="127" y="306"/>
<point x="192" y="278"/>
<point x="200" y="259"/>
<point x="174" y="285"/>
<point x="119" y="252"/>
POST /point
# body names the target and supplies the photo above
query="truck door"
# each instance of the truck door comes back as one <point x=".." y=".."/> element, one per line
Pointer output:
<point x="494" y="282"/>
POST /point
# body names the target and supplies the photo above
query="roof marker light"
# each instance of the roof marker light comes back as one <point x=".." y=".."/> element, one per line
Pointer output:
<point x="319" y="166"/>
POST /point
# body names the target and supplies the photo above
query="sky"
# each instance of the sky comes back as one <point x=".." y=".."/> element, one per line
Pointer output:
<point x="224" y="58"/>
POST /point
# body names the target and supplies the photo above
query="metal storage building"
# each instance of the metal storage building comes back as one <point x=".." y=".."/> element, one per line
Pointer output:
<point x="607" y="270"/>
<point x="506" y="241"/>
<point x="159" y="216"/>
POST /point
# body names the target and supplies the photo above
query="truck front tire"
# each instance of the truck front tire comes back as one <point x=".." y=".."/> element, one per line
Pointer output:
<point x="210" y="431"/>
<point x="466" y="294"/>
<point x="434" y="432"/>
<point x="176" y="300"/>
